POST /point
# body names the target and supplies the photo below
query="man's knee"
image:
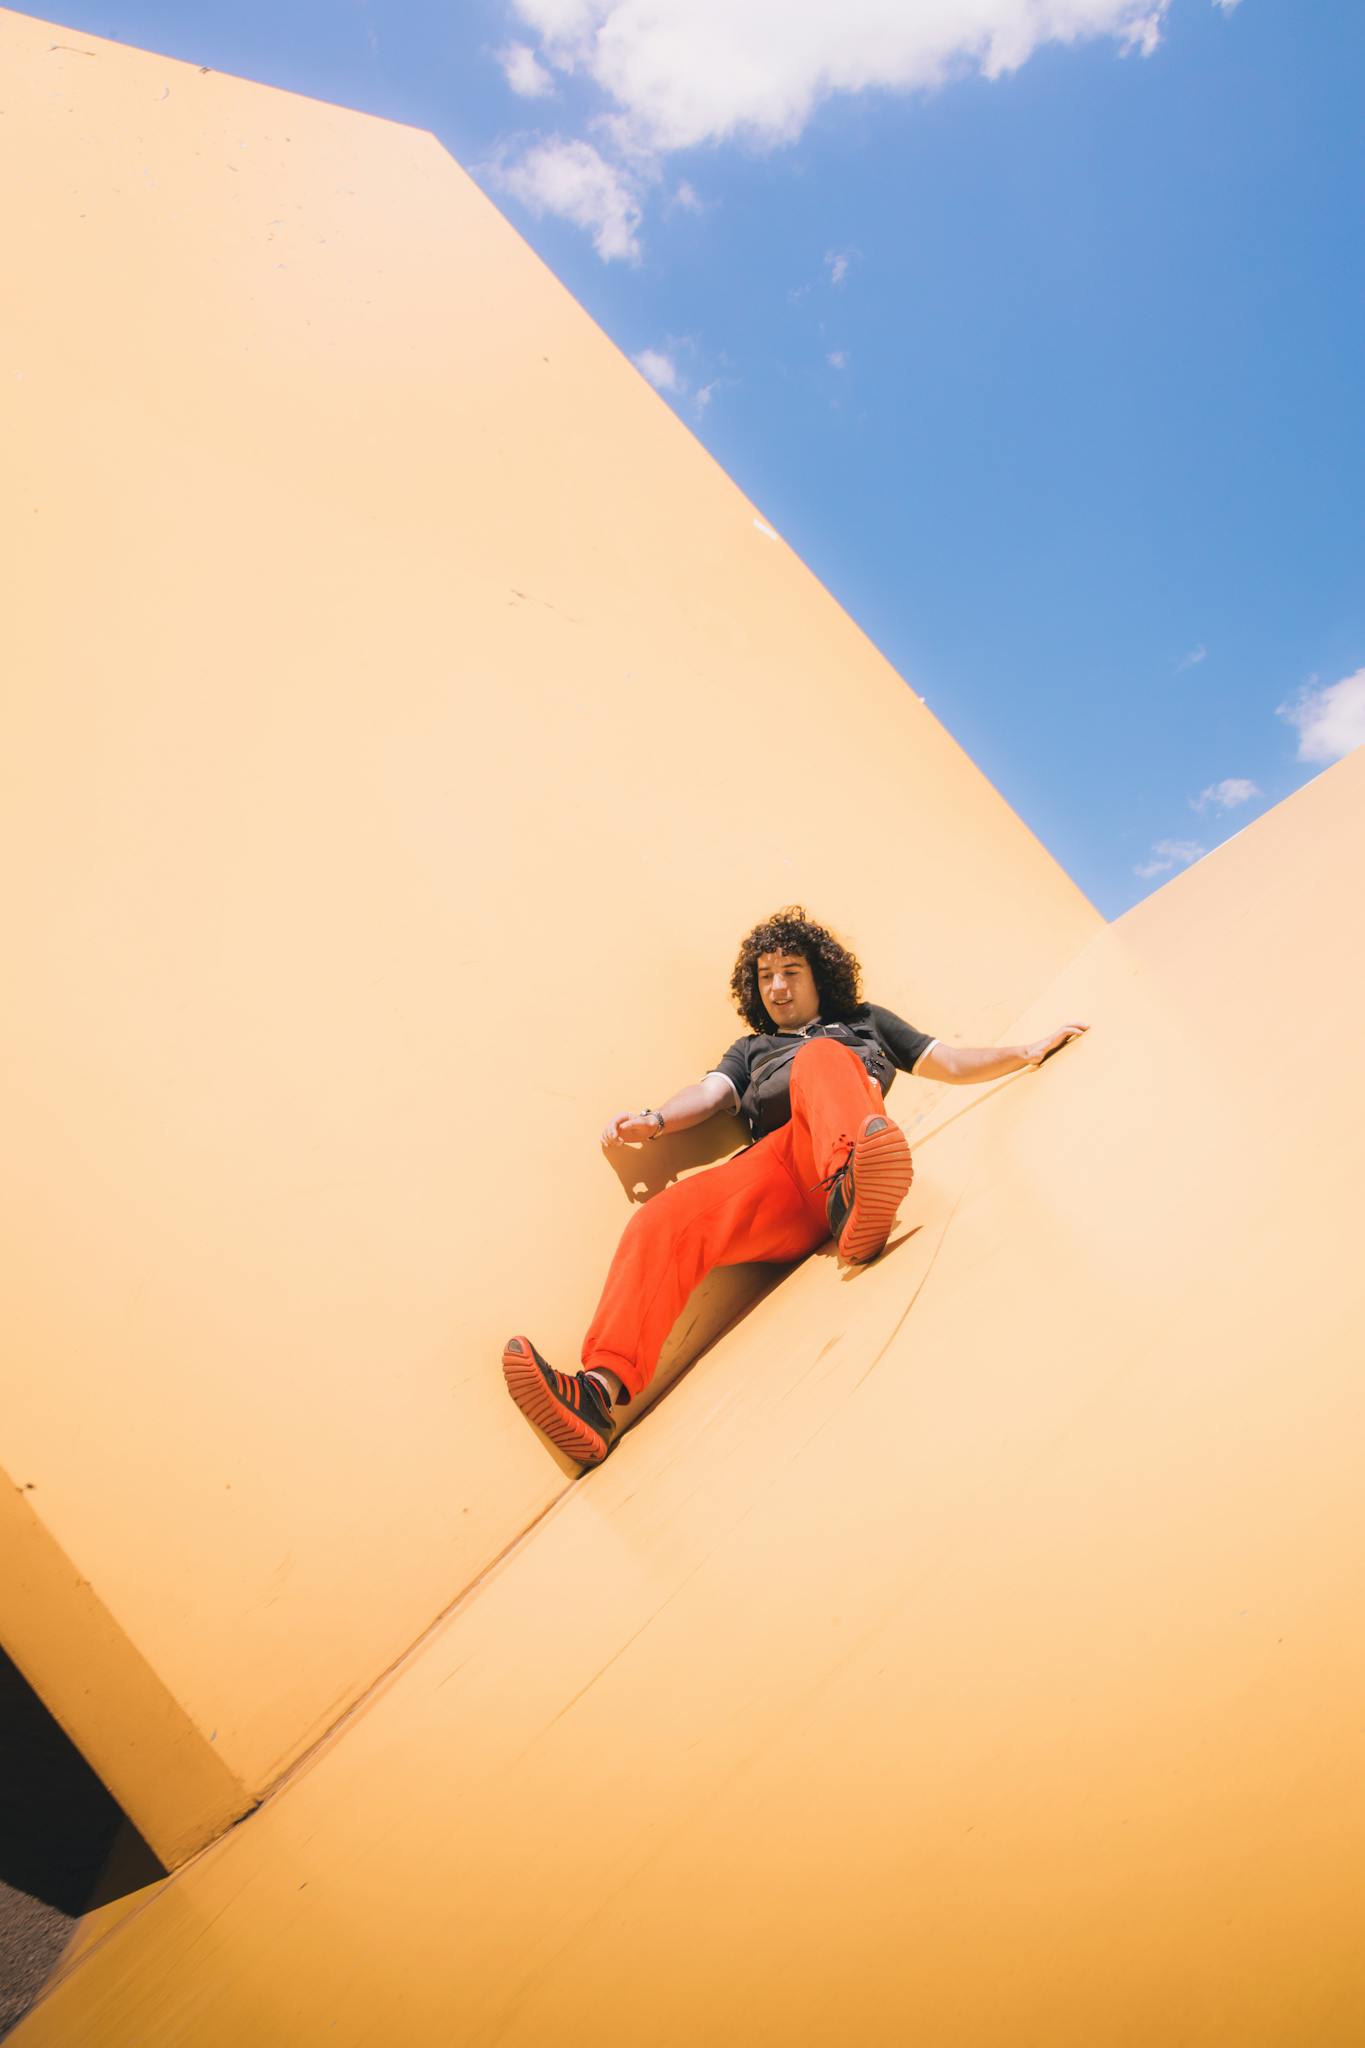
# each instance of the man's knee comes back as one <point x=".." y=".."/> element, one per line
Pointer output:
<point x="824" y="1065"/>
<point x="816" y="1049"/>
<point x="828" y="1053"/>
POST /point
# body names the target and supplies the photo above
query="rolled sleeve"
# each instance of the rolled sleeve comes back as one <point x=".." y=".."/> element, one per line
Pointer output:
<point x="733" y="1066"/>
<point x="906" y="1045"/>
<point x="732" y="1107"/>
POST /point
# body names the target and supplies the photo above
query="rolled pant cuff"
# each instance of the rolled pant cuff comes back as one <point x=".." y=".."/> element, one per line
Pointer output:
<point x="625" y="1369"/>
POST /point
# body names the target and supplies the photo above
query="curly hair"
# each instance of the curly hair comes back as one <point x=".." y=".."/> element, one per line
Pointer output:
<point x="838" y="977"/>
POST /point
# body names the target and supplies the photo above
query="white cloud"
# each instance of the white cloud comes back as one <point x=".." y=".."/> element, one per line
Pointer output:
<point x="1227" y="5"/>
<point x="1225" y="795"/>
<point x="837" y="263"/>
<point x="679" y="368"/>
<point x="572" y="180"/>
<point x="524" y="71"/>
<point x="661" y="370"/>
<point x="684" y="72"/>
<point x="686" y="198"/>
<point x="1191" y="660"/>
<point x="1330" y="719"/>
<point x="837" y="359"/>
<point x="1168" y="854"/>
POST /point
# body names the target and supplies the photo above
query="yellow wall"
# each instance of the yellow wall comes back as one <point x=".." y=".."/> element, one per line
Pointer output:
<point x="404" y="718"/>
<point x="968" y="1652"/>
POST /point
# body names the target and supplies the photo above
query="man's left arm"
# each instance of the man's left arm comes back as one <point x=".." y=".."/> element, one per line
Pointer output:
<point x="989" y="1062"/>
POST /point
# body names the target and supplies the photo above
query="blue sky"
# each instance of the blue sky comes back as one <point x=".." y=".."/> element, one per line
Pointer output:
<point x="1035" y="326"/>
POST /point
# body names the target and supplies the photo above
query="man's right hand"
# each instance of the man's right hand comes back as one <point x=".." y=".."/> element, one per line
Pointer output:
<point x="629" y="1128"/>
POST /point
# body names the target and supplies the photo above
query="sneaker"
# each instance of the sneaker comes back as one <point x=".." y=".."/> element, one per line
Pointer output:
<point x="868" y="1189"/>
<point x="565" y="1407"/>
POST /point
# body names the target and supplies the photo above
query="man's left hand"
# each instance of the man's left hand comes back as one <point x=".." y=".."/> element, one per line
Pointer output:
<point x="1044" y="1048"/>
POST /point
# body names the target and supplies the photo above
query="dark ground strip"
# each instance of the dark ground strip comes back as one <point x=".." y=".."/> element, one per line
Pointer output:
<point x="56" y="1826"/>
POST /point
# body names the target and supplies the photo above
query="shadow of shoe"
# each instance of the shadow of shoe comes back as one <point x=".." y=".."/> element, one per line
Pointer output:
<point x="893" y="1244"/>
<point x="570" y="1467"/>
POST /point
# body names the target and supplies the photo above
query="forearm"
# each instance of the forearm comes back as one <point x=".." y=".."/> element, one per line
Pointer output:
<point x="691" y="1105"/>
<point x="966" y="1063"/>
<point x="989" y="1062"/>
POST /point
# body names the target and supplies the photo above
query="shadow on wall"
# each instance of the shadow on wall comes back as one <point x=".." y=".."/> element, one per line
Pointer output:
<point x="58" y="1827"/>
<point x="646" y="1170"/>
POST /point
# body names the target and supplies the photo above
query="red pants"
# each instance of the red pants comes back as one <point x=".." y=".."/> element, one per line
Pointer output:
<point x="762" y="1204"/>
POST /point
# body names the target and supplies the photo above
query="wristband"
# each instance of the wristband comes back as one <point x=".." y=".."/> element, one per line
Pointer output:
<point x="658" y="1117"/>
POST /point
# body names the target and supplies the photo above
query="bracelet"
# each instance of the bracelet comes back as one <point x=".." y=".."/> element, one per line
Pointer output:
<point x="658" y="1117"/>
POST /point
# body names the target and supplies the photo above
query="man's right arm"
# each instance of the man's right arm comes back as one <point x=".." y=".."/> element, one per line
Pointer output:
<point x="691" y="1105"/>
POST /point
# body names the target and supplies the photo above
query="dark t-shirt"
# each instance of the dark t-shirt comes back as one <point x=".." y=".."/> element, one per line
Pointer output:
<point x="882" y="1041"/>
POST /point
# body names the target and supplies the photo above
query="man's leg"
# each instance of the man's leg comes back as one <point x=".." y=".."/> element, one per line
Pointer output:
<point x="845" y="1145"/>
<point x="832" y="1094"/>
<point x="752" y="1207"/>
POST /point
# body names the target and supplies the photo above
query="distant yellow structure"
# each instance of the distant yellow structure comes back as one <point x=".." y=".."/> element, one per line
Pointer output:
<point x="969" y="1651"/>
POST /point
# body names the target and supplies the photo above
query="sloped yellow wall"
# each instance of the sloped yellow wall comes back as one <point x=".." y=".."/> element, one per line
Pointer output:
<point x="404" y="719"/>
<point x="967" y="1652"/>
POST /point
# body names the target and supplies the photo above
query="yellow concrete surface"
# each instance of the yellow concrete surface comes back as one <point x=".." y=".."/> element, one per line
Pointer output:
<point x="403" y="719"/>
<point x="967" y="1651"/>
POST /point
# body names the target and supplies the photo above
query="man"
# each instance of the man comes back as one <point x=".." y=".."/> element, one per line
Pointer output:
<point x="826" y="1161"/>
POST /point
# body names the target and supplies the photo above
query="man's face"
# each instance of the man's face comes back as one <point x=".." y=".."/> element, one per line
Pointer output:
<point x="787" y="987"/>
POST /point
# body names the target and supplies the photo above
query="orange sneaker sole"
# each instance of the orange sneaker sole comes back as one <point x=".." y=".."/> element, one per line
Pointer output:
<point x="570" y="1433"/>
<point x="882" y="1173"/>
